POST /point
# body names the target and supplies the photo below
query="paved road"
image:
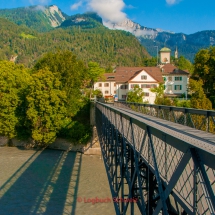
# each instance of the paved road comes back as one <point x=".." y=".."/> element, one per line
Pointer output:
<point x="52" y="182"/>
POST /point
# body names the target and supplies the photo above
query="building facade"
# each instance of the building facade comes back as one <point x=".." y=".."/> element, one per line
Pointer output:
<point x="175" y="80"/>
<point x="124" y="79"/>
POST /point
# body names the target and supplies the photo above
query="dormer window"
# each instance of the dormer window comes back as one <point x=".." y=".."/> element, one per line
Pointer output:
<point x="111" y="77"/>
<point x="143" y="77"/>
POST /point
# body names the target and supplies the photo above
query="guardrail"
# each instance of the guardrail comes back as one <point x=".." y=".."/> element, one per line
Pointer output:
<point x="195" y="118"/>
<point x="155" y="167"/>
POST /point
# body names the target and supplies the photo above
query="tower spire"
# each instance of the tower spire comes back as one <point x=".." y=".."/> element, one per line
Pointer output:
<point x="176" y="52"/>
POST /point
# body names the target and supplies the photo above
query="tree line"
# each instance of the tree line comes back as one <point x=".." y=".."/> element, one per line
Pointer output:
<point x="48" y="100"/>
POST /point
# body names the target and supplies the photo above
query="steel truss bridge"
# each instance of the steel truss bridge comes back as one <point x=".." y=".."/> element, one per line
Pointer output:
<point x="155" y="166"/>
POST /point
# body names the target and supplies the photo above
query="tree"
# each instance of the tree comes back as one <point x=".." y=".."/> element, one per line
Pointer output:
<point x="150" y="61"/>
<point x="46" y="106"/>
<point x="160" y="98"/>
<point x="71" y="72"/>
<point x="199" y="99"/>
<point x="204" y="70"/>
<point x="13" y="81"/>
<point x="94" y="72"/>
<point x="184" y="64"/>
<point x="136" y="95"/>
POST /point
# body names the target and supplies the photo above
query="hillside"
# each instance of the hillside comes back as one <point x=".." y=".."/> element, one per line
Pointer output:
<point x="99" y="44"/>
<point x="39" y="18"/>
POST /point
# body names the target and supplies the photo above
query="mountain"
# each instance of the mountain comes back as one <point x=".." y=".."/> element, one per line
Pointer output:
<point x="98" y="43"/>
<point x="187" y="45"/>
<point x="86" y="20"/>
<point x="135" y="28"/>
<point x="39" y="18"/>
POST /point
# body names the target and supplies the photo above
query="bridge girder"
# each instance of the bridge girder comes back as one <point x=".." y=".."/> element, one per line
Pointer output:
<point x="151" y="171"/>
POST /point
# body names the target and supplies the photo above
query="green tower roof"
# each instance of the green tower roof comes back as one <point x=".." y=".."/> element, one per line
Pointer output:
<point x="165" y="49"/>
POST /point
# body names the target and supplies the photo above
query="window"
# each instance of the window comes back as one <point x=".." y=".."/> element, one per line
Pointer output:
<point x="143" y="77"/>
<point x="100" y="84"/>
<point x="169" y="87"/>
<point x="106" y="84"/>
<point x="124" y="87"/>
<point x="114" y="91"/>
<point x="170" y="78"/>
<point x="106" y="92"/>
<point x="123" y="96"/>
<point x="114" y="84"/>
<point x="178" y="87"/>
<point x="143" y="85"/>
<point x="133" y="85"/>
<point x="146" y="94"/>
<point x="154" y="86"/>
<point x="178" y="78"/>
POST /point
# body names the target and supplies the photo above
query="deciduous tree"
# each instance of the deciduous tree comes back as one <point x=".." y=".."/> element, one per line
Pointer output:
<point x="135" y="95"/>
<point x="13" y="81"/>
<point x="46" y="106"/>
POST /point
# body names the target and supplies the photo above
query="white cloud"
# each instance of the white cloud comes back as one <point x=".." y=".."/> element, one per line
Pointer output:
<point x="76" y="5"/>
<point x="109" y="10"/>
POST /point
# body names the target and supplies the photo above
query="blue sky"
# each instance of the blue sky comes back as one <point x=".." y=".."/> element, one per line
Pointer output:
<point x="187" y="16"/>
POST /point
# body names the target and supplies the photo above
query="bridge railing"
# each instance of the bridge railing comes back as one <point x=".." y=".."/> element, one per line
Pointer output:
<point x="155" y="167"/>
<point x="195" y="118"/>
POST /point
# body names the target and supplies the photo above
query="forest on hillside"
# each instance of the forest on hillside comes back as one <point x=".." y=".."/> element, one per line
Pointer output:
<point x="107" y="47"/>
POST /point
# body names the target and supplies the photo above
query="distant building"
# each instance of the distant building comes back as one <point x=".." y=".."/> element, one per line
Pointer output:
<point x="175" y="80"/>
<point x="125" y="78"/>
<point x="165" y="55"/>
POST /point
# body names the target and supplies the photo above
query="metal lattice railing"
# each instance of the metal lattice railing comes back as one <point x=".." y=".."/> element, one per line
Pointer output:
<point x="155" y="167"/>
<point x="199" y="119"/>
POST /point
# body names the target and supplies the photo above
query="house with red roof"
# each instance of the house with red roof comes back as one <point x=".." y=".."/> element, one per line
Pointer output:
<point x="124" y="79"/>
<point x="175" y="80"/>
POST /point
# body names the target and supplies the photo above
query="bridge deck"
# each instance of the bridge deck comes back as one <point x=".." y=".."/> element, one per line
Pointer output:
<point x="200" y="139"/>
<point x="168" y="166"/>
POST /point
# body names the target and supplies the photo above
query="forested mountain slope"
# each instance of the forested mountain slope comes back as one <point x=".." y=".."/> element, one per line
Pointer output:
<point x="39" y="18"/>
<point x="96" y="43"/>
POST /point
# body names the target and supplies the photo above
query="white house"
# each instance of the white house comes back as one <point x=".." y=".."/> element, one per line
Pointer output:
<point x="124" y="79"/>
<point x="175" y="80"/>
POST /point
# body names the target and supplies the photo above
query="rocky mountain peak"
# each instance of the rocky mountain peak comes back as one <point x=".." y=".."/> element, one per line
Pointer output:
<point x="54" y="15"/>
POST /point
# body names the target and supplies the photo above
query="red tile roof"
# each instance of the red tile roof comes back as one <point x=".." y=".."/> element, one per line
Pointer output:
<point x="126" y="74"/>
<point x="168" y="69"/>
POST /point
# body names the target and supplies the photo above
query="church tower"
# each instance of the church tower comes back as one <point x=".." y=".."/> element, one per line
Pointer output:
<point x="164" y="55"/>
<point x="176" y="53"/>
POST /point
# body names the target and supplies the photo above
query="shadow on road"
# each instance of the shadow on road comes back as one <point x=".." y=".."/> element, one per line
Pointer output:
<point x="46" y="184"/>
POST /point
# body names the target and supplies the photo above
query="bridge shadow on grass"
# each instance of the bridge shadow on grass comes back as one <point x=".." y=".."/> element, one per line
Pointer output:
<point x="48" y="185"/>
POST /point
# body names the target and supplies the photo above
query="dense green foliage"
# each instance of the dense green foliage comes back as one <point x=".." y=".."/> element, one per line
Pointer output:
<point x="33" y="17"/>
<point x="199" y="99"/>
<point x="46" y="106"/>
<point x="135" y="95"/>
<point x="13" y="83"/>
<point x="184" y="64"/>
<point x="204" y="71"/>
<point x="47" y="101"/>
<point x="99" y="44"/>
